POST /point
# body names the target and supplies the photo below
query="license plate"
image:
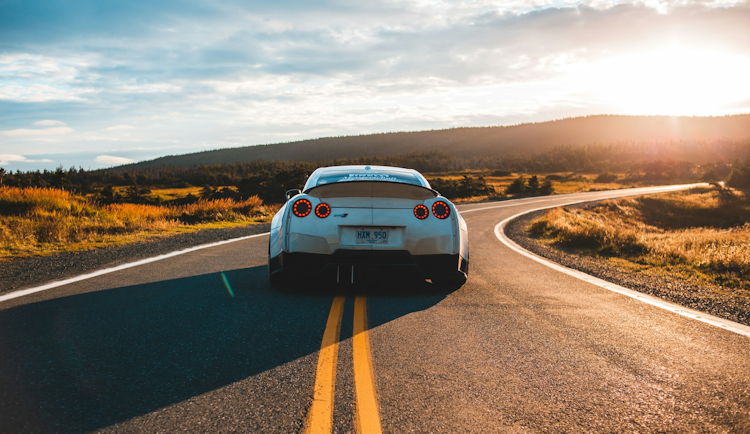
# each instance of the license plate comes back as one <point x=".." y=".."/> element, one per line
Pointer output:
<point x="372" y="236"/>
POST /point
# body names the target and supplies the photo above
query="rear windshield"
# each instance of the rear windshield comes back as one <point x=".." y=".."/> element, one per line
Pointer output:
<point x="337" y="176"/>
<point x="372" y="189"/>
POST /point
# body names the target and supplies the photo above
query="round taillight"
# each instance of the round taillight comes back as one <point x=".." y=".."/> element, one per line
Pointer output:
<point x="441" y="209"/>
<point x="421" y="212"/>
<point x="323" y="210"/>
<point x="302" y="208"/>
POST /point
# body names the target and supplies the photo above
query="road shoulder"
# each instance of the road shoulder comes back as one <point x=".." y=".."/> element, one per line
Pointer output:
<point x="707" y="299"/>
<point x="26" y="272"/>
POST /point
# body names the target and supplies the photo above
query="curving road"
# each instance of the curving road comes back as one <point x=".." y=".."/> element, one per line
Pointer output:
<point x="200" y="342"/>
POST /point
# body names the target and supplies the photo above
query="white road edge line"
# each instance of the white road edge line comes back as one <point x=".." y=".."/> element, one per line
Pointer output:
<point x="654" y="301"/>
<point x="28" y="291"/>
<point x="585" y="197"/>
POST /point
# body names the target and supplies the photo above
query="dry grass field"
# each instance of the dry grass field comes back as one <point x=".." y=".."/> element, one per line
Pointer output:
<point x="38" y="221"/>
<point x="701" y="235"/>
<point x="567" y="184"/>
<point x="167" y="194"/>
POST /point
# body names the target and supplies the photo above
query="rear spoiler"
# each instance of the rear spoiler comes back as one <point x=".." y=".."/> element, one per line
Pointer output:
<point x="344" y="185"/>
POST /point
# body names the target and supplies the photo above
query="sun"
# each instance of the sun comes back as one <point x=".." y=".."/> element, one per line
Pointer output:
<point x="671" y="81"/>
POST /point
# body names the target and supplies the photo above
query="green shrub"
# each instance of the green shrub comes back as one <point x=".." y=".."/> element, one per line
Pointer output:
<point x="517" y="186"/>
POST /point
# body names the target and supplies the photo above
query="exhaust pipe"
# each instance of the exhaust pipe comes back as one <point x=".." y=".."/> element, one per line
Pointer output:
<point x="338" y="275"/>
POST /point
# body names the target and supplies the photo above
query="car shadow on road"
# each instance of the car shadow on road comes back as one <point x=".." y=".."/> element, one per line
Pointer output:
<point x="87" y="361"/>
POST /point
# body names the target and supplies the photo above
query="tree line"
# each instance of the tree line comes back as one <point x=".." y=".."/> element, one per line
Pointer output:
<point x="270" y="179"/>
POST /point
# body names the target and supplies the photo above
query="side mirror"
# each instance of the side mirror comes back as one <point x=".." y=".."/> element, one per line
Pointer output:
<point x="291" y="193"/>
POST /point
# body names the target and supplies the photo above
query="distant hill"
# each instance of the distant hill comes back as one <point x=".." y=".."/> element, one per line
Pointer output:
<point x="482" y="142"/>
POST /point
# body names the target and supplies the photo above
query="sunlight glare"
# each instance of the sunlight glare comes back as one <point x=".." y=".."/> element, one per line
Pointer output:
<point x="675" y="81"/>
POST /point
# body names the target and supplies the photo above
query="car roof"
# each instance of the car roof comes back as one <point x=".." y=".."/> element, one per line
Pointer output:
<point x="335" y="174"/>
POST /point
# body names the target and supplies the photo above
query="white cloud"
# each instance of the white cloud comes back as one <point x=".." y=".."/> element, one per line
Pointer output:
<point x="49" y="123"/>
<point x="246" y="73"/>
<point x="33" y="78"/>
<point x="24" y="132"/>
<point x="119" y="128"/>
<point x="8" y="159"/>
<point x="112" y="160"/>
<point x="35" y="93"/>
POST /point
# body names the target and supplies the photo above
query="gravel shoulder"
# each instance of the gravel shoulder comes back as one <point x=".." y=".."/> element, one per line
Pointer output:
<point x="710" y="299"/>
<point x="27" y="272"/>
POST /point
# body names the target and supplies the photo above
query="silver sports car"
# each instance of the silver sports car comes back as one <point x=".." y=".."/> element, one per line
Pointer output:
<point x="353" y="224"/>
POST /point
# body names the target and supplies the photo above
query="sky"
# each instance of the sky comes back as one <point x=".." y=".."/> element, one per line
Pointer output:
<point x="93" y="83"/>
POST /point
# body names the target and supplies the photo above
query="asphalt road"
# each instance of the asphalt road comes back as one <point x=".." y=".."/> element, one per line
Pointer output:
<point x="201" y="342"/>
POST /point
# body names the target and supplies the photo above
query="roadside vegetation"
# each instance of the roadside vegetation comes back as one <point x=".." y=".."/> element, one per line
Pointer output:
<point x="48" y="211"/>
<point x="43" y="220"/>
<point x="701" y="235"/>
<point x="38" y="221"/>
<point x="478" y="186"/>
<point x="42" y="213"/>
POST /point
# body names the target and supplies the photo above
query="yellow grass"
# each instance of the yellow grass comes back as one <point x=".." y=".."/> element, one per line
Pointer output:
<point x="36" y="221"/>
<point x="500" y="183"/>
<point x="695" y="235"/>
<point x="177" y="192"/>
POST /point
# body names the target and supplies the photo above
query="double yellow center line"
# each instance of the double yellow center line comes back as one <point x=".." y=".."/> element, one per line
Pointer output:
<point x="320" y="419"/>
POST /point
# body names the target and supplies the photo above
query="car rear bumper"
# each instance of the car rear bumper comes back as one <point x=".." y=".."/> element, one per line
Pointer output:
<point x="343" y="264"/>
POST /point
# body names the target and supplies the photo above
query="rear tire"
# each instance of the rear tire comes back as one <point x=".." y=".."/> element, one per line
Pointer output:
<point x="278" y="279"/>
<point x="276" y="274"/>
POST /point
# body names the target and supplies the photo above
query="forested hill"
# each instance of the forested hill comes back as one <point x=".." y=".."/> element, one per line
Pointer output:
<point x="481" y="142"/>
